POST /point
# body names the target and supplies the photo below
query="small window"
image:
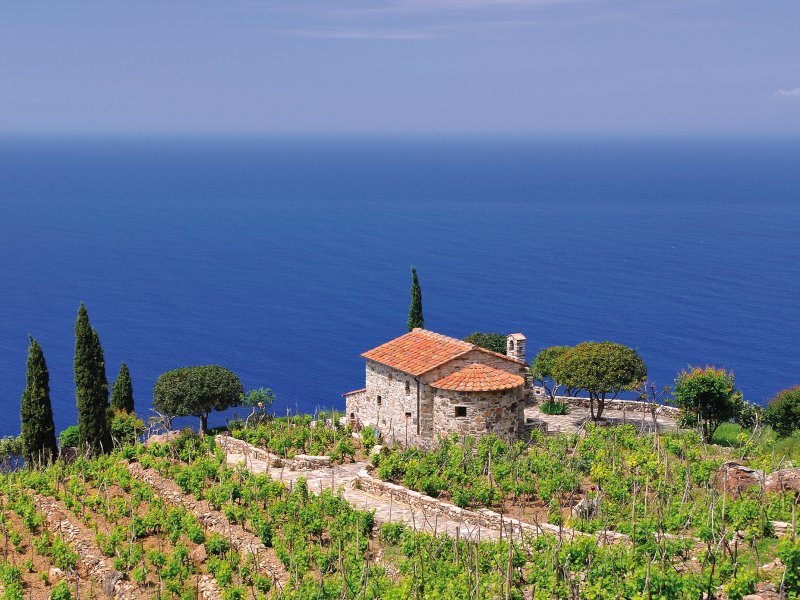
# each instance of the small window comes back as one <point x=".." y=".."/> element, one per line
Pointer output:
<point x="510" y="344"/>
<point x="408" y="388"/>
<point x="461" y="411"/>
<point x="379" y="400"/>
<point x="408" y="415"/>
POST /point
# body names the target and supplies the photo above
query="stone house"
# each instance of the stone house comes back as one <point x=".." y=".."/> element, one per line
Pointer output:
<point x="423" y="384"/>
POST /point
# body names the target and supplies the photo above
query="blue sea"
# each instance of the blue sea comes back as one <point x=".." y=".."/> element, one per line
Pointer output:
<point x="285" y="258"/>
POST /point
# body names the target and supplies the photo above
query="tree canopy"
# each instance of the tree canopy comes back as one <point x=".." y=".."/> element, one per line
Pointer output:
<point x="783" y="412"/>
<point x="601" y="369"/>
<point x="122" y="392"/>
<point x="415" y="318"/>
<point x="196" y="391"/>
<point x="38" y="431"/>
<point x="496" y="342"/>
<point x="542" y="369"/>
<point x="707" y="398"/>
<point x="91" y="386"/>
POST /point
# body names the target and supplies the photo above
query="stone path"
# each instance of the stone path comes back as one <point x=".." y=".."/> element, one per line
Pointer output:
<point x="577" y="416"/>
<point x="256" y="460"/>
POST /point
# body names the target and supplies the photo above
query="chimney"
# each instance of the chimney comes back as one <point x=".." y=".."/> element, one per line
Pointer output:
<point x="515" y="346"/>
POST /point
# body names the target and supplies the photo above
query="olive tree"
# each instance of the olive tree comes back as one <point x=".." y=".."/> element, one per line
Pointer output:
<point x="602" y="370"/>
<point x="542" y="368"/>
<point x="196" y="392"/>
<point x="706" y="397"/>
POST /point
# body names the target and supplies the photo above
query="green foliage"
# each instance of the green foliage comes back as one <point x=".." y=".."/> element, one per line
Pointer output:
<point x="496" y="342"/>
<point x="747" y="414"/>
<point x="789" y="553"/>
<point x="61" y="591"/>
<point x="288" y="436"/>
<point x="783" y="411"/>
<point x="126" y="427"/>
<point x="554" y="408"/>
<point x="38" y="431"/>
<point x="91" y="387"/>
<point x="122" y="392"/>
<point x="415" y="318"/>
<point x="369" y="437"/>
<point x="196" y="391"/>
<point x="706" y="397"/>
<point x="391" y="533"/>
<point x="601" y="369"/>
<point x="258" y="401"/>
<point x="70" y="437"/>
<point x="10" y="446"/>
<point x="543" y="366"/>
<point x="216" y="544"/>
<point x="11" y="579"/>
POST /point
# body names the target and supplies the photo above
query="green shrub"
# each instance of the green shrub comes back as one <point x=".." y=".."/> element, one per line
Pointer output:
<point x="125" y="427"/>
<point x="69" y="437"/>
<point x="391" y="533"/>
<point x="789" y="553"/>
<point x="216" y="544"/>
<point x="368" y="438"/>
<point x="61" y="592"/>
<point x="554" y="408"/>
<point x="783" y="412"/>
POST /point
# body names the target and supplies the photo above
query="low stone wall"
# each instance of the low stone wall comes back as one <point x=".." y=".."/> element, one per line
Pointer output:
<point x="489" y="519"/>
<point x="483" y="517"/>
<point x="241" y="540"/>
<point x="632" y="406"/>
<point x="300" y="462"/>
<point x="91" y="561"/>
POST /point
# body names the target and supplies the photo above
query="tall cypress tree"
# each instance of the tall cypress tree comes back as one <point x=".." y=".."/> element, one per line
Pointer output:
<point x="122" y="392"/>
<point x="415" y="311"/>
<point x="38" y="430"/>
<point x="91" y="387"/>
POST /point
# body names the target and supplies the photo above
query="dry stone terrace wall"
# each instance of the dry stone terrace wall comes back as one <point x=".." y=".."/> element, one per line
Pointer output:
<point x="632" y="406"/>
<point x="243" y="541"/>
<point x="300" y="462"/>
<point x="91" y="562"/>
<point x="481" y="518"/>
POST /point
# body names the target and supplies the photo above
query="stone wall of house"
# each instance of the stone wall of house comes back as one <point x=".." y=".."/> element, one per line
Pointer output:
<point x="501" y="413"/>
<point x="395" y="415"/>
<point x="355" y="406"/>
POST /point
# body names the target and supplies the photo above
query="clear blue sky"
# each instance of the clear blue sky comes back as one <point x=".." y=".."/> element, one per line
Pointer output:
<point x="373" y="66"/>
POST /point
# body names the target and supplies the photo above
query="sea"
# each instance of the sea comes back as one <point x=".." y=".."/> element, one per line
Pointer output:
<point x="284" y="258"/>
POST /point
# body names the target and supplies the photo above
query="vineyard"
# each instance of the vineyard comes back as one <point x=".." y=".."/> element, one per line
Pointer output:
<point x="175" y="520"/>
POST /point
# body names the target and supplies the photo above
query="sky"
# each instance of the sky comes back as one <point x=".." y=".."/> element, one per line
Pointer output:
<point x="400" y="66"/>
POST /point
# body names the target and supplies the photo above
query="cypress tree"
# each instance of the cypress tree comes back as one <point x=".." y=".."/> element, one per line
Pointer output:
<point x="38" y="430"/>
<point x="122" y="392"/>
<point x="91" y="387"/>
<point x="415" y="311"/>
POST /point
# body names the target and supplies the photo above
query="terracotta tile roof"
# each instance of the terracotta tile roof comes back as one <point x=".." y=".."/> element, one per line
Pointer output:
<point x="477" y="377"/>
<point x="418" y="351"/>
<point x="351" y="392"/>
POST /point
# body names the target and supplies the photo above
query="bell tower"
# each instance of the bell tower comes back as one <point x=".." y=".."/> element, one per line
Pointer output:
<point x="515" y="347"/>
